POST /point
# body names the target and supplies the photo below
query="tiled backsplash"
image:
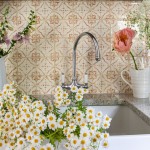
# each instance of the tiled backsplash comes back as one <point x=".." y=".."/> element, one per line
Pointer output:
<point x="37" y="66"/>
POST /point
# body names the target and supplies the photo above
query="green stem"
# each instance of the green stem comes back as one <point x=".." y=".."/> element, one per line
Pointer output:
<point x="136" y="68"/>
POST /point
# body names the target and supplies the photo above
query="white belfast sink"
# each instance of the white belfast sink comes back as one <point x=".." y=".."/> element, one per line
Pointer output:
<point x="127" y="131"/>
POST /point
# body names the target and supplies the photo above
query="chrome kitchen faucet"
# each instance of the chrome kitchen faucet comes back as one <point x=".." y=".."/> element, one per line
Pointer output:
<point x="97" y="58"/>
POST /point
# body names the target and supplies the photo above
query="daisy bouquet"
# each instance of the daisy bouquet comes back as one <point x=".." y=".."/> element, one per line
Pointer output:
<point x="30" y="124"/>
<point x="81" y="126"/>
<point x="6" y="44"/>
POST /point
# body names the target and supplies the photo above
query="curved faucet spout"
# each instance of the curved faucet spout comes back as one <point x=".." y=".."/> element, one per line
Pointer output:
<point x="97" y="58"/>
<point x="97" y="53"/>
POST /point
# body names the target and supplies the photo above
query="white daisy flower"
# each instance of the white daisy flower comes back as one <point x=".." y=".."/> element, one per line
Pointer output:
<point x="2" y="144"/>
<point x="7" y="87"/>
<point x="43" y="121"/>
<point x="90" y="110"/>
<point x="25" y="98"/>
<point x="105" y="135"/>
<point x="97" y="121"/>
<point x="74" y="89"/>
<point x="41" y="108"/>
<point x="67" y="146"/>
<point x="74" y="142"/>
<point x="51" y="117"/>
<point x="99" y="114"/>
<point x="84" y="133"/>
<point x="105" y="125"/>
<point x="58" y="95"/>
<point x="90" y="117"/>
<point x="98" y="135"/>
<point x="107" y="118"/>
<point x="11" y="134"/>
<point x="85" y="91"/>
<point x="70" y="136"/>
<point x="58" y="89"/>
<point x="72" y="127"/>
<point x="61" y="123"/>
<point x="65" y="95"/>
<point x="105" y="144"/>
<point x="79" y="97"/>
<point x="11" y="144"/>
<point x="52" y="125"/>
<point x="80" y="91"/>
<point x="84" y="142"/>
<point x="20" y="142"/>
<point x="8" y="116"/>
<point x="73" y="109"/>
<point x="36" y="140"/>
<point x="49" y="146"/>
<point x="29" y="137"/>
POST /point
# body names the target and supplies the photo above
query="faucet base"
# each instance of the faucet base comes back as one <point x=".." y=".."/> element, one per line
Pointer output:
<point x="74" y="83"/>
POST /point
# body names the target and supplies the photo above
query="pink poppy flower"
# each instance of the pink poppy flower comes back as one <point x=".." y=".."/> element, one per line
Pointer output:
<point x="123" y="40"/>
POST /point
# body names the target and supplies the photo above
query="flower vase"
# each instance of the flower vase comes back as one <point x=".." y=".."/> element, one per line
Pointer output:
<point x="140" y="82"/>
<point x="2" y="73"/>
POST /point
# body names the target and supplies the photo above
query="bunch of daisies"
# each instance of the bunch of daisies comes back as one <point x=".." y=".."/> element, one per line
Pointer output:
<point x="84" y="128"/>
<point x="21" y="121"/>
<point x="30" y="124"/>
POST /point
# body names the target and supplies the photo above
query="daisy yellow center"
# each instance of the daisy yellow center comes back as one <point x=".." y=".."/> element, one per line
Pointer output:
<point x="36" y="140"/>
<point x="1" y="144"/>
<point x="84" y="134"/>
<point x="25" y="98"/>
<point x="40" y="108"/>
<point x="51" y="118"/>
<point x="97" y="121"/>
<point x="90" y="111"/>
<point x="107" y="118"/>
<point x="94" y="140"/>
<point x="12" y="144"/>
<point x="35" y="133"/>
<point x="48" y="148"/>
<point x="90" y="117"/>
<point x="105" y="135"/>
<point x="43" y="121"/>
<point x="74" y="142"/>
<point x="29" y="137"/>
<point x="83" y="142"/>
<point x="105" y="125"/>
<point x="52" y="125"/>
<point x="32" y="148"/>
<point x="7" y="87"/>
<point x="20" y="142"/>
<point x="8" y="116"/>
<point x="79" y="119"/>
<point x="61" y="122"/>
<point x="98" y="136"/>
<point x="27" y="115"/>
<point x="105" y="144"/>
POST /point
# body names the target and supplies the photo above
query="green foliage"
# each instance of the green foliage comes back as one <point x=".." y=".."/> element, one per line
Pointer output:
<point x="54" y="136"/>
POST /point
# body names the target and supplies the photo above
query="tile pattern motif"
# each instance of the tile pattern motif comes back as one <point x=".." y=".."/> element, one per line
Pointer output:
<point x="37" y="66"/>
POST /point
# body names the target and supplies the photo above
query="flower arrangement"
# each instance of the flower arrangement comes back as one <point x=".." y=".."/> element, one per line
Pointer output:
<point x="25" y="122"/>
<point x="140" y="20"/>
<point x="123" y="42"/>
<point x="5" y="43"/>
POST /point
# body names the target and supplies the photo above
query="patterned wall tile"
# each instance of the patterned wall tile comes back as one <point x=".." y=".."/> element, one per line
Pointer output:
<point x="37" y="66"/>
